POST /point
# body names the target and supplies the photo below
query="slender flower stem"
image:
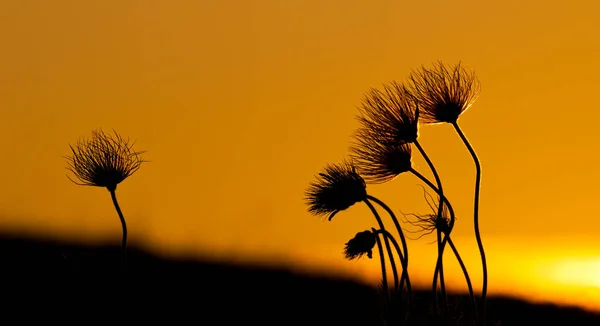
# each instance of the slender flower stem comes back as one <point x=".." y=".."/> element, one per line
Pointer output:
<point x="113" y="195"/>
<point x="404" y="273"/>
<point x="403" y="260"/>
<point x="383" y="271"/>
<point x="476" y="218"/>
<point x="440" y="268"/>
<point x="440" y="192"/>
<point x="387" y="243"/>
<point x="467" y="278"/>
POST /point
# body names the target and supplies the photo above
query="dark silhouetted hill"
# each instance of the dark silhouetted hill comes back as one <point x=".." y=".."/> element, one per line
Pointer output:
<point x="49" y="282"/>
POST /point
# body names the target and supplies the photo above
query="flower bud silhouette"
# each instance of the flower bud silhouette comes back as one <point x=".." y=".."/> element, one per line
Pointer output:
<point x="362" y="244"/>
<point x="104" y="161"/>
<point x="337" y="188"/>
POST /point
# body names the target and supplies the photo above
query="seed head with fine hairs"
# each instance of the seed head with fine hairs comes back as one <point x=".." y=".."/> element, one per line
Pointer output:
<point x="337" y="188"/>
<point x="392" y="113"/>
<point x="443" y="92"/>
<point x="362" y="244"/>
<point x="378" y="159"/>
<point x="103" y="161"/>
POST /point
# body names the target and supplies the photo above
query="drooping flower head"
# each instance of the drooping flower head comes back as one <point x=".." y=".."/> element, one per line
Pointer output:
<point x="362" y="244"/>
<point x="443" y="92"/>
<point x="388" y="123"/>
<point x="378" y="159"/>
<point x="337" y="188"/>
<point x="103" y="161"/>
<point x="392" y="113"/>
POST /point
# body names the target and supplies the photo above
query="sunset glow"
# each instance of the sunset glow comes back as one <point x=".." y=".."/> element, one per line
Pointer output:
<point x="240" y="103"/>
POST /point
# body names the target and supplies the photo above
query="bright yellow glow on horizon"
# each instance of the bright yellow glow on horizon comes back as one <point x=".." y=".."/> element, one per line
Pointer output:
<point x="578" y="272"/>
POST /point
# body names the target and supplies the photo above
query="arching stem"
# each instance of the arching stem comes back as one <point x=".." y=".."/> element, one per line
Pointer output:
<point x="440" y="207"/>
<point x="404" y="260"/>
<point x="383" y="270"/>
<point x="113" y="195"/>
<point x="399" y="251"/>
<point x="476" y="218"/>
<point x="386" y="241"/>
<point x="467" y="278"/>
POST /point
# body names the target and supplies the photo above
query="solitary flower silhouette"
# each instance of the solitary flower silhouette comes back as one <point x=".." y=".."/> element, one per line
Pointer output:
<point x="104" y="161"/>
<point x="336" y="189"/>
<point x="362" y="244"/>
<point x="443" y="92"/>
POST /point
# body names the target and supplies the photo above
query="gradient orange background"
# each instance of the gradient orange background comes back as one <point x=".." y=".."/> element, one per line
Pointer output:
<point x="239" y="104"/>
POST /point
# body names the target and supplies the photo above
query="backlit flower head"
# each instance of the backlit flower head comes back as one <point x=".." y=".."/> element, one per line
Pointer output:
<point x="391" y="113"/>
<point x="443" y="92"/>
<point x="378" y="158"/>
<point x="103" y="161"/>
<point x="362" y="244"/>
<point x="338" y="187"/>
<point x="428" y="223"/>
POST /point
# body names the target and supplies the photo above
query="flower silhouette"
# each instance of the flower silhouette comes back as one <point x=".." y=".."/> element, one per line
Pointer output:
<point x="377" y="159"/>
<point x="362" y="244"/>
<point x="388" y="123"/>
<point x="337" y="188"/>
<point x="105" y="161"/>
<point x="391" y="113"/>
<point x="443" y="92"/>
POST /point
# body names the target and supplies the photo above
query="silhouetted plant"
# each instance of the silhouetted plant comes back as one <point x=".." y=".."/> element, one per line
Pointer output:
<point x="444" y="93"/>
<point x="388" y="124"/>
<point x="362" y="244"/>
<point x="104" y="161"/>
<point x="339" y="187"/>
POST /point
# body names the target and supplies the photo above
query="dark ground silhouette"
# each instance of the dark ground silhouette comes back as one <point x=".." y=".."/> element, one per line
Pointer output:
<point x="63" y="283"/>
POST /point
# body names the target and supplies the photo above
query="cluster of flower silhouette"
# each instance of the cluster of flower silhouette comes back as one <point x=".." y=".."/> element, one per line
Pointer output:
<point x="389" y="121"/>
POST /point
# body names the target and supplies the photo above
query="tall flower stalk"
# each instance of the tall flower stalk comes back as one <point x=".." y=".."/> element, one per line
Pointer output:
<point x="105" y="161"/>
<point x="444" y="93"/>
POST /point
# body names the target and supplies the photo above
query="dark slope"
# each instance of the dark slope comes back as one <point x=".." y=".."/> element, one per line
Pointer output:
<point x="49" y="282"/>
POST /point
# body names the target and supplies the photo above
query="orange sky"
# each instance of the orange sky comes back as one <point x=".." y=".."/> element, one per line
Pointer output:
<point x="239" y="103"/>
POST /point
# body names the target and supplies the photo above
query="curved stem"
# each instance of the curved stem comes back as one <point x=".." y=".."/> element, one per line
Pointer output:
<point x="452" y="219"/>
<point x="403" y="260"/>
<point x="387" y="243"/>
<point x="440" y="269"/>
<point x="476" y="217"/>
<point x="383" y="271"/>
<point x="441" y="246"/>
<point x="113" y="195"/>
<point x="434" y="188"/>
<point x="404" y="272"/>
<point x="431" y="166"/>
<point x="467" y="278"/>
